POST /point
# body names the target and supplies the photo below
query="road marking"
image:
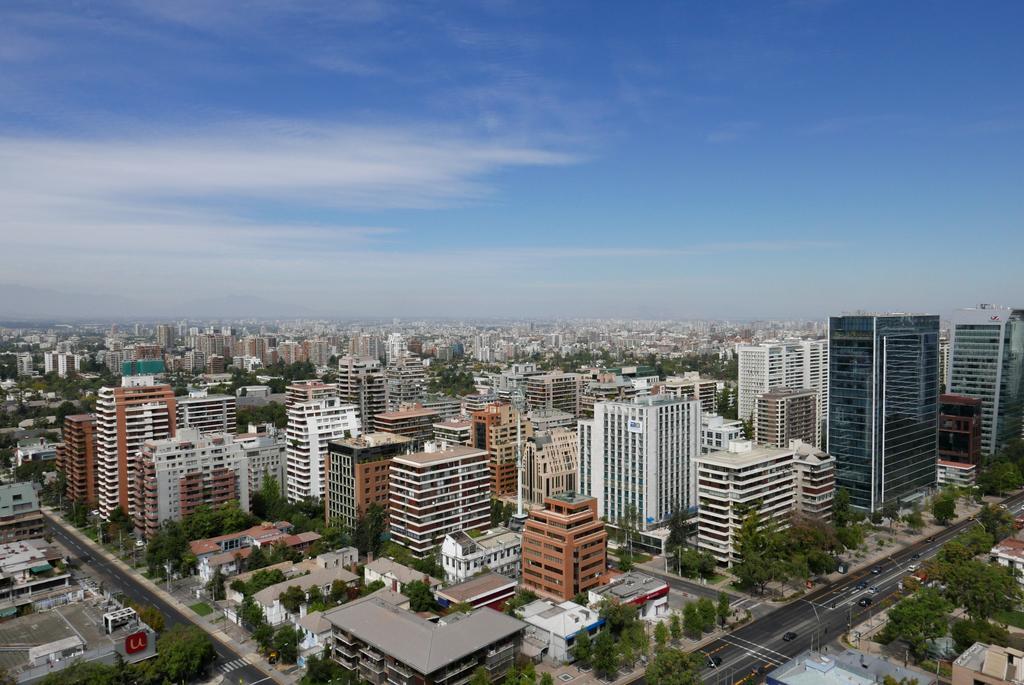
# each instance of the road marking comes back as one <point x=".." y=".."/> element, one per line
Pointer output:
<point x="756" y="650"/>
<point x="232" y="665"/>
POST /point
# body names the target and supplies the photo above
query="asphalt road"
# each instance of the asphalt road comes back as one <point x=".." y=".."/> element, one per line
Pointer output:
<point x="229" y="662"/>
<point x="819" y="617"/>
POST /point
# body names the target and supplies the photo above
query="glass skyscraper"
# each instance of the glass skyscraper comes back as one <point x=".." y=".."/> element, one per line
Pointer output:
<point x="883" y="405"/>
<point x="987" y="362"/>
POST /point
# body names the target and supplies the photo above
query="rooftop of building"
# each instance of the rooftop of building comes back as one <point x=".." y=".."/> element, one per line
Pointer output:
<point x="956" y="465"/>
<point x="16" y="557"/>
<point x="494" y="538"/>
<point x="952" y="398"/>
<point x="807" y="453"/>
<point x="375" y="439"/>
<point x="262" y="531"/>
<point x="415" y="411"/>
<point x="421" y="644"/>
<point x="994" y="661"/>
<point x="458" y="452"/>
<point x="571" y="497"/>
<point x="850" y="667"/>
<point x="630" y="586"/>
<point x="456" y="423"/>
<point x="779" y="393"/>
<point x="716" y="421"/>
<point x="400" y="572"/>
<point x="476" y="587"/>
<point x="1010" y="547"/>
<point x="318" y="576"/>
<point x="564" y="619"/>
<point x="743" y="453"/>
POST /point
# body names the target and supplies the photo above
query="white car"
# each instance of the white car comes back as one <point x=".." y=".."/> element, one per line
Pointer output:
<point x="913" y="567"/>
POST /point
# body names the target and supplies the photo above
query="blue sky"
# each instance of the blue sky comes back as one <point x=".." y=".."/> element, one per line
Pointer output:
<point x="729" y="159"/>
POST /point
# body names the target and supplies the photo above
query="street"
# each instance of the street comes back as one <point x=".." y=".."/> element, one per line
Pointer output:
<point x="229" y="662"/>
<point x="819" y="617"/>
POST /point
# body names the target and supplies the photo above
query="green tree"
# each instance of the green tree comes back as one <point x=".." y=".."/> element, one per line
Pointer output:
<point x="723" y="608"/>
<point x="707" y="610"/>
<point x="891" y="512"/>
<point x="184" y="653"/>
<point x="292" y="599"/>
<point x="675" y="626"/>
<point x="966" y="632"/>
<point x="917" y="619"/>
<point x="661" y="634"/>
<point x="370" y="528"/>
<point x="914" y="519"/>
<point x="152" y="617"/>
<point x="546" y="679"/>
<point x="286" y="643"/>
<point x="216" y="586"/>
<point x="982" y="589"/>
<point x="673" y="667"/>
<point x="581" y="648"/>
<point x="693" y="622"/>
<point x="619" y="617"/>
<point x="841" y="512"/>
<point x="605" y="658"/>
<point x="1000" y="477"/>
<point x="263" y="635"/>
<point x="420" y="596"/>
<point x="997" y="522"/>
<point x="944" y="509"/>
<point x="480" y="677"/>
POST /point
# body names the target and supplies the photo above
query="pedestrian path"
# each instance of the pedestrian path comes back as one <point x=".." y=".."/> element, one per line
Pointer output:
<point x="232" y="665"/>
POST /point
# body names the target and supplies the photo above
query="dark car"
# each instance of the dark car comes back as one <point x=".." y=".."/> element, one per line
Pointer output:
<point x="865" y="601"/>
<point x="915" y="556"/>
<point x="789" y="636"/>
<point x="929" y="539"/>
<point x="714" y="661"/>
<point x="875" y="570"/>
<point x="861" y="585"/>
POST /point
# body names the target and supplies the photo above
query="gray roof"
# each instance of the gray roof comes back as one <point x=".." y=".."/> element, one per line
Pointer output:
<point x="400" y="572"/>
<point x="268" y="595"/>
<point x="417" y="642"/>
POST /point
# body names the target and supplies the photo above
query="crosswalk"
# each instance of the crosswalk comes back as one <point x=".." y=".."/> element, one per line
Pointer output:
<point x="229" y="666"/>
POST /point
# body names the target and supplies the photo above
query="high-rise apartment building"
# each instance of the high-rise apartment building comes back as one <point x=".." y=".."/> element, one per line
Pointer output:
<point x="23" y="363"/>
<point x="76" y="457"/>
<point x="61" y="363"/>
<point x="415" y="422"/>
<point x="717" y="432"/>
<point x="315" y="417"/>
<point x="358" y="474"/>
<point x="692" y="386"/>
<point x="494" y="429"/>
<point x="639" y="455"/>
<point x="126" y="417"/>
<point x="555" y="390"/>
<point x="960" y="422"/>
<point x="20" y="516"/>
<point x="815" y="480"/>
<point x="207" y="413"/>
<point x="406" y="381"/>
<point x="552" y="460"/>
<point x="165" y="336"/>
<point x="987" y="362"/>
<point x="564" y="548"/>
<point x="735" y="482"/>
<point x="791" y="364"/>
<point x="179" y="474"/>
<point x="436" y="493"/>
<point x="265" y="449"/>
<point x="883" y="405"/>
<point x="784" y="414"/>
<point x="361" y="382"/>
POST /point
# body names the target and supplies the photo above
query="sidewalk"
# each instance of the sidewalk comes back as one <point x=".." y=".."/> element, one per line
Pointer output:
<point x="246" y="650"/>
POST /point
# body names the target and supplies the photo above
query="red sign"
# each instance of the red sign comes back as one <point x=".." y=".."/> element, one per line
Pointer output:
<point x="136" y="642"/>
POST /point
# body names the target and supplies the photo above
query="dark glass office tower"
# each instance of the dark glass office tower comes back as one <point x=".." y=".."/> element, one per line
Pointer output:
<point x="987" y="362"/>
<point x="883" y="408"/>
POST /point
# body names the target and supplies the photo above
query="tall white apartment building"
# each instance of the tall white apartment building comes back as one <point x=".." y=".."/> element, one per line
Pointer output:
<point x="23" y="361"/>
<point x="126" y="417"/>
<point x="641" y="453"/>
<point x="734" y="482"/>
<point x="61" y="363"/>
<point x="792" y="364"/>
<point x="316" y="415"/>
<point x="207" y="413"/>
<point x="177" y="475"/>
<point x="406" y="381"/>
<point x="361" y="382"/>
<point x="394" y="348"/>
<point x="265" y="448"/>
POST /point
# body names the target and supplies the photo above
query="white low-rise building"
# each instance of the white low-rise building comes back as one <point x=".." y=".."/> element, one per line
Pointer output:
<point x="955" y="473"/>
<point x="553" y="628"/>
<point x="395" y="576"/>
<point x="1010" y="553"/>
<point x="463" y="556"/>
<point x="269" y="598"/>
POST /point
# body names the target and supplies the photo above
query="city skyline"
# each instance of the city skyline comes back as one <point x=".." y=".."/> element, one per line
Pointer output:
<point x="791" y="160"/>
